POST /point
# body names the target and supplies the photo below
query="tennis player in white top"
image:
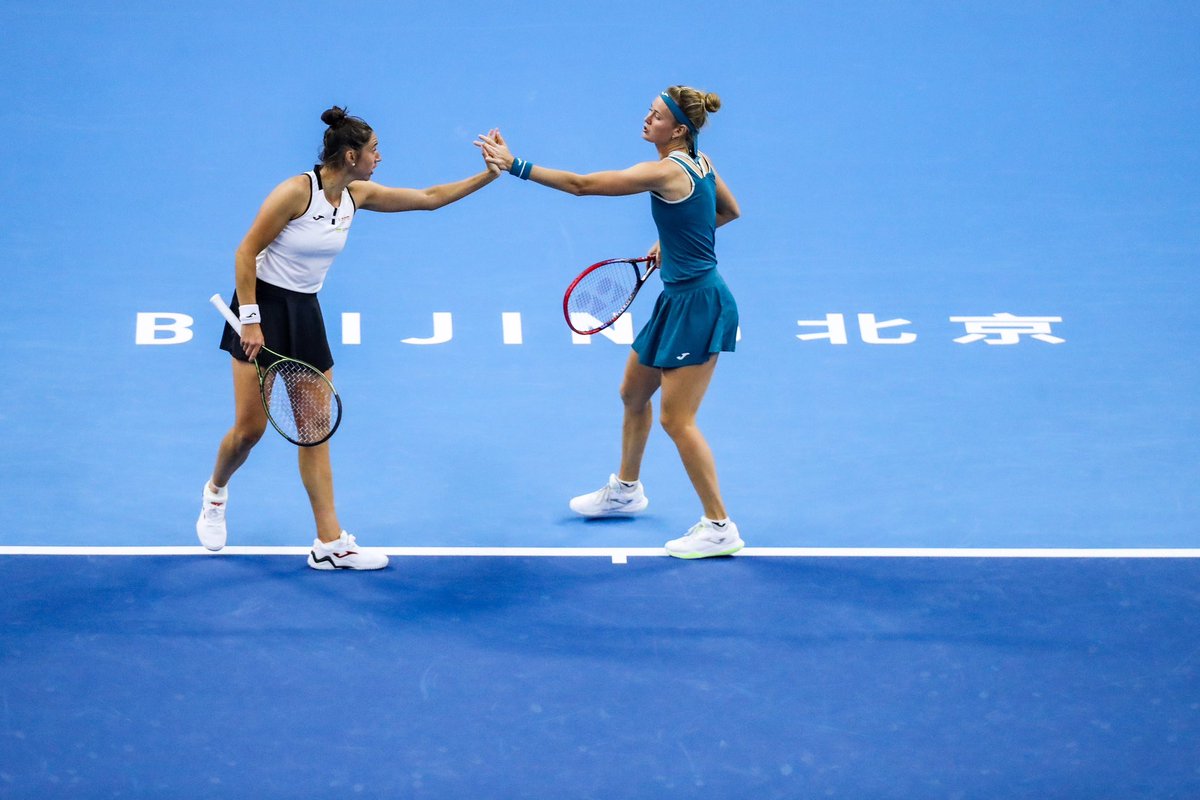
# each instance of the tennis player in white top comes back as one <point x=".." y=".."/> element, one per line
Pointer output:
<point x="279" y="268"/>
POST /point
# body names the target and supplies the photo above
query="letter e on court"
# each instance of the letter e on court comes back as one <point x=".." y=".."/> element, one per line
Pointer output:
<point x="163" y="327"/>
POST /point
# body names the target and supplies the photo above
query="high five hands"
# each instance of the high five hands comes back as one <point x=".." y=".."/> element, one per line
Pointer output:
<point x="495" y="150"/>
<point x="492" y="167"/>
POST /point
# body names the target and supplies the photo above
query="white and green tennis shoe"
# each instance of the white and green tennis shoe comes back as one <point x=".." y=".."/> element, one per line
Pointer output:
<point x="613" y="499"/>
<point x="706" y="539"/>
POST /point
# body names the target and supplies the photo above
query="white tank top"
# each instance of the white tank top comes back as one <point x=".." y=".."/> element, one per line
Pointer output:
<point x="300" y="256"/>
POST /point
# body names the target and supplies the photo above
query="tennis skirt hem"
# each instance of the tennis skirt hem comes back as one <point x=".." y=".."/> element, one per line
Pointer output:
<point x="687" y="327"/>
<point x="292" y="325"/>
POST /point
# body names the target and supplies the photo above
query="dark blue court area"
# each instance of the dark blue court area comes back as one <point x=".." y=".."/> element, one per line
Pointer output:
<point x="238" y="677"/>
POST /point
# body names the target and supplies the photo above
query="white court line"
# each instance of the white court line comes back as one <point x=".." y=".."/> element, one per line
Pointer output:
<point x="620" y="554"/>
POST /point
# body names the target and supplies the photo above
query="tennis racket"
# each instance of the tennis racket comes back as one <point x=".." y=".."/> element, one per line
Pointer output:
<point x="299" y="400"/>
<point x="603" y="292"/>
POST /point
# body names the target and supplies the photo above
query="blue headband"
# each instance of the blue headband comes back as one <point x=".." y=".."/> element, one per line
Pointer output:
<point x="682" y="119"/>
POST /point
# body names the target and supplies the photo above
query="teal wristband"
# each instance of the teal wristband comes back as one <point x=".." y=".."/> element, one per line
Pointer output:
<point x="521" y="168"/>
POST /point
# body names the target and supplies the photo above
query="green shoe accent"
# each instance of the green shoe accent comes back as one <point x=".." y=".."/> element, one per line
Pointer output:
<point x="690" y="556"/>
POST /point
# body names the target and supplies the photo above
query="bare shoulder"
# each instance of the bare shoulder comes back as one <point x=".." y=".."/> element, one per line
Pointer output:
<point x="291" y="196"/>
<point x="295" y="185"/>
<point x="364" y="191"/>
<point x="656" y="174"/>
<point x="666" y="164"/>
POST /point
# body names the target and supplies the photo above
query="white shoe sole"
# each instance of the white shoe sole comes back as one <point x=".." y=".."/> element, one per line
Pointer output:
<point x="632" y="508"/>
<point x="208" y="542"/>
<point x="328" y="562"/>
<point x="729" y="550"/>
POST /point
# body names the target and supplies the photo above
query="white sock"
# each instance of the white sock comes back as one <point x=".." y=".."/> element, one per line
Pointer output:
<point x="334" y="543"/>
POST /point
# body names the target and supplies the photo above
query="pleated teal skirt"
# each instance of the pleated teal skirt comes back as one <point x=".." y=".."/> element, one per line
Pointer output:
<point x="691" y="321"/>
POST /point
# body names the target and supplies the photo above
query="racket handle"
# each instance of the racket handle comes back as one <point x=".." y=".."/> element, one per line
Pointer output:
<point x="226" y="312"/>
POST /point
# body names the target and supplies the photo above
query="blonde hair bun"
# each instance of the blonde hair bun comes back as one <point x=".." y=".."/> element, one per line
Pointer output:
<point x="711" y="102"/>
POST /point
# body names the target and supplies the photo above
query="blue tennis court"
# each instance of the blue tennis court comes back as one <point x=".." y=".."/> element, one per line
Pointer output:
<point x="537" y="677"/>
<point x="959" y="434"/>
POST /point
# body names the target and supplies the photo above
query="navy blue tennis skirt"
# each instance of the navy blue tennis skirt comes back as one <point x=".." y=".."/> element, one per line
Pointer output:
<point x="292" y="325"/>
<point x="691" y="321"/>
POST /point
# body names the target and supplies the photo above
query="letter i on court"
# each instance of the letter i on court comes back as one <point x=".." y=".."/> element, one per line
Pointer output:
<point x="351" y="327"/>
<point x="511" y="325"/>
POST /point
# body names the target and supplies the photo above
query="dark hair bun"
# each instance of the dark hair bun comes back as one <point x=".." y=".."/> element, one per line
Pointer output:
<point x="334" y="117"/>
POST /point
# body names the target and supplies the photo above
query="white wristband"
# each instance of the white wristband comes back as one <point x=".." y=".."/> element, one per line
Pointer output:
<point x="248" y="314"/>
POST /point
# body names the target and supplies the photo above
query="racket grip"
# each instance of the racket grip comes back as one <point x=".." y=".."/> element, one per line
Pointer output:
<point x="226" y="312"/>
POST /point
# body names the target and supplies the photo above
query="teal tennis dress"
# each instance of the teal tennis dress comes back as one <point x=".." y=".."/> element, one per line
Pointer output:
<point x="696" y="315"/>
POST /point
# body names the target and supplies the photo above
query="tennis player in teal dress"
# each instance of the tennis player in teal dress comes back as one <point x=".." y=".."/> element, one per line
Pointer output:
<point x="695" y="317"/>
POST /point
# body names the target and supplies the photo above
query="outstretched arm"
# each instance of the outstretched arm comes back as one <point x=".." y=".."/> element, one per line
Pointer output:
<point x="648" y="176"/>
<point x="375" y="197"/>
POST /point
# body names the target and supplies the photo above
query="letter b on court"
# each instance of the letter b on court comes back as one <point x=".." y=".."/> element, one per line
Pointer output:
<point x="163" y="327"/>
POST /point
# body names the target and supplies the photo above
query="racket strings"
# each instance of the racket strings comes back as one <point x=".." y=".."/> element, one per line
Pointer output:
<point x="604" y="293"/>
<point x="300" y="402"/>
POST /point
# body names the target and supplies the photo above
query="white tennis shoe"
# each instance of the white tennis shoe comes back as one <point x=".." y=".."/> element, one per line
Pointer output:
<point x="343" y="553"/>
<point x="210" y="527"/>
<point x="611" y="500"/>
<point x="706" y="539"/>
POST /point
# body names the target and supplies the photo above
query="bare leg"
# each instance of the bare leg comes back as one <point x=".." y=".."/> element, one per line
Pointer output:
<point x="248" y="425"/>
<point x="637" y="389"/>
<point x="683" y="390"/>
<point x="316" y="472"/>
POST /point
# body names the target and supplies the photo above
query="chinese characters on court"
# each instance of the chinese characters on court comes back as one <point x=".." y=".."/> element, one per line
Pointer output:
<point x="997" y="329"/>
